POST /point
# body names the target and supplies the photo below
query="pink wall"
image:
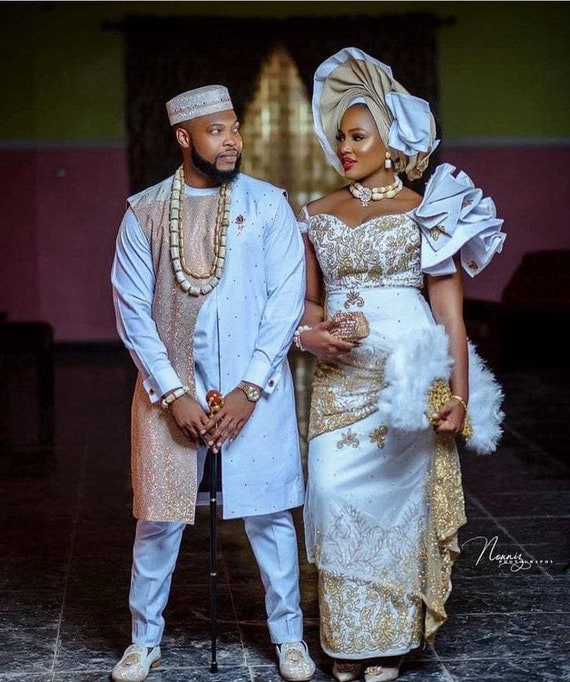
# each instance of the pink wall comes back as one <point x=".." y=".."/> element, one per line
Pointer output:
<point x="61" y="209"/>
<point x="59" y="265"/>
<point x="19" y="282"/>
<point x="530" y="188"/>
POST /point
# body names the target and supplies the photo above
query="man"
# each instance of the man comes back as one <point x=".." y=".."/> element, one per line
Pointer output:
<point x="208" y="283"/>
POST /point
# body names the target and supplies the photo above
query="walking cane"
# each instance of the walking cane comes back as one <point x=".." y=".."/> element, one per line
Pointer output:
<point x="215" y="401"/>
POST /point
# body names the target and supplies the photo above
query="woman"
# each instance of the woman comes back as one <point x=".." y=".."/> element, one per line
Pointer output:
<point x="384" y="498"/>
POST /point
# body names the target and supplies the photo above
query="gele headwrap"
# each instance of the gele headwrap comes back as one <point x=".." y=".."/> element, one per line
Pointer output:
<point x="405" y="123"/>
<point x="198" y="102"/>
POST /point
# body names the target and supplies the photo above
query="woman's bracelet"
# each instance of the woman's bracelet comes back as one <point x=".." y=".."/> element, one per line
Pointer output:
<point x="297" y="335"/>
<point x="460" y="399"/>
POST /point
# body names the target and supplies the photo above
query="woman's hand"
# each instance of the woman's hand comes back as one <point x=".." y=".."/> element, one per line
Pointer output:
<point x="450" y="418"/>
<point x="321" y="342"/>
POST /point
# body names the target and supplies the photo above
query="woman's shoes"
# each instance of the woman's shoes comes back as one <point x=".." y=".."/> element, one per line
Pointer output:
<point x="346" y="671"/>
<point x="383" y="673"/>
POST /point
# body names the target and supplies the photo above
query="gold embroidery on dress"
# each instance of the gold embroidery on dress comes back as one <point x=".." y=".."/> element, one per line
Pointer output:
<point x="349" y="439"/>
<point x="358" y="617"/>
<point x="436" y="231"/>
<point x="378" y="436"/>
<point x="372" y="599"/>
<point x="344" y="394"/>
<point x="353" y="298"/>
<point x="447" y="515"/>
<point x="384" y="251"/>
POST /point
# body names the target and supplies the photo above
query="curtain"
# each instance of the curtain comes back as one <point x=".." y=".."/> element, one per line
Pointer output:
<point x="165" y="56"/>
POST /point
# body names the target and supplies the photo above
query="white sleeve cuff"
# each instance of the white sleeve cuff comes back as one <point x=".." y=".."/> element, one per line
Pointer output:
<point x="156" y="386"/>
<point x="260" y="371"/>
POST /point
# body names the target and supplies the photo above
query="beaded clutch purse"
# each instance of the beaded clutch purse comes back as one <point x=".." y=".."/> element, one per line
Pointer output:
<point x="350" y="326"/>
<point x="438" y="394"/>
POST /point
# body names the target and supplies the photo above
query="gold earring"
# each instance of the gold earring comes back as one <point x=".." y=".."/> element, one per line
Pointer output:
<point x="388" y="161"/>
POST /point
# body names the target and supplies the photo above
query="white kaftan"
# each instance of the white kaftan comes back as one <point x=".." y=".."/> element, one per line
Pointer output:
<point x="243" y="332"/>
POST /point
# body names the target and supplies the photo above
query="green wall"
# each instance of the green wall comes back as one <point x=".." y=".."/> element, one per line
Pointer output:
<point x="504" y="66"/>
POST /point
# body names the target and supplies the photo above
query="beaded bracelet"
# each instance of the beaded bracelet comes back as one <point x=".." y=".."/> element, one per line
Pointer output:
<point x="174" y="395"/>
<point x="297" y="335"/>
<point x="460" y="399"/>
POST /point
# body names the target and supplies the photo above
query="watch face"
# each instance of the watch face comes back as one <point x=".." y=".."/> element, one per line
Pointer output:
<point x="253" y="393"/>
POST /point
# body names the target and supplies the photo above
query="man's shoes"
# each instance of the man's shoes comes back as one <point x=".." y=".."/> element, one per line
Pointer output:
<point x="136" y="663"/>
<point x="295" y="664"/>
<point x="383" y="673"/>
<point x="346" y="671"/>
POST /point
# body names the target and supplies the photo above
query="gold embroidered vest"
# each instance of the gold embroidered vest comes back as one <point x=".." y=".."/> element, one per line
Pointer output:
<point x="163" y="460"/>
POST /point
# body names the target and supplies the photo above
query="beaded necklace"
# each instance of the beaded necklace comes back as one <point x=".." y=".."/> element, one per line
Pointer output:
<point x="365" y="194"/>
<point x="176" y="238"/>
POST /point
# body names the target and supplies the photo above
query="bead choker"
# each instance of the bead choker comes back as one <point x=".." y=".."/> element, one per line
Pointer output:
<point x="365" y="194"/>
<point x="176" y="239"/>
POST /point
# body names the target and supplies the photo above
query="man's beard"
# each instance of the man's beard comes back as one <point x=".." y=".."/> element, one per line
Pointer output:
<point x="210" y="169"/>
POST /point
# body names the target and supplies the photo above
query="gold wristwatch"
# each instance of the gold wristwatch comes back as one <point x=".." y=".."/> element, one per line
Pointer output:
<point x="252" y="392"/>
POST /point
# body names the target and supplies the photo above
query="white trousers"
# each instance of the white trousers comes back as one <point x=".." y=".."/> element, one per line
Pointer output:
<point x="274" y="543"/>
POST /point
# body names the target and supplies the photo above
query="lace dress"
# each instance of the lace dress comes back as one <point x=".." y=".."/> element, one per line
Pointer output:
<point x="384" y="495"/>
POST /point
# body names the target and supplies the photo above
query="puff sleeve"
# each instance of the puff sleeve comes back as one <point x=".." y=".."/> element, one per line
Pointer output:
<point x="455" y="217"/>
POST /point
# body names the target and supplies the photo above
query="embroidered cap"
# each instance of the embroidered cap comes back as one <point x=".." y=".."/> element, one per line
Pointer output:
<point x="198" y="102"/>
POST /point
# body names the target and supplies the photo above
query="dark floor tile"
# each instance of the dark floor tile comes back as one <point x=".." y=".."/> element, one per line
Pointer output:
<point x="493" y="636"/>
<point x="531" y="504"/>
<point x="69" y="554"/>
<point x="521" y="593"/>
<point x="92" y="533"/>
<point x="92" y="604"/>
<point x="513" y="468"/>
<point x="473" y="510"/>
<point x="489" y="550"/>
<point x="423" y="671"/>
<point x="89" y="644"/>
<point x="544" y="534"/>
<point x="28" y="574"/>
<point x="511" y="669"/>
<point x="192" y="604"/>
<point x="26" y="677"/>
<point x="30" y="608"/>
<point x="189" y="646"/>
<point x="226" y="673"/>
<point x="484" y="559"/>
<point x="28" y="651"/>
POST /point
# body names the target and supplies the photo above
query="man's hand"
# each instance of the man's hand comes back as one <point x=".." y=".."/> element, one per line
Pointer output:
<point x="189" y="416"/>
<point x="228" y="421"/>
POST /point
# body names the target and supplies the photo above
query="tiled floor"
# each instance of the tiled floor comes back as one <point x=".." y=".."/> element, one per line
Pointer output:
<point x="67" y="534"/>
